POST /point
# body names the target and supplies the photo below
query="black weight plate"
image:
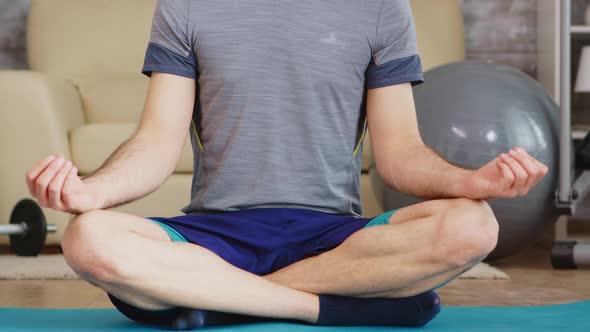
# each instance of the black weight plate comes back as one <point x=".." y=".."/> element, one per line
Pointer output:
<point x="31" y="243"/>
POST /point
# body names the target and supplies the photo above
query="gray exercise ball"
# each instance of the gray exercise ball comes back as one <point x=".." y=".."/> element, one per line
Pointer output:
<point x="471" y="112"/>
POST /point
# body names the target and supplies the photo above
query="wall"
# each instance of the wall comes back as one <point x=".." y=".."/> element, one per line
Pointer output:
<point x="503" y="31"/>
<point x="12" y="33"/>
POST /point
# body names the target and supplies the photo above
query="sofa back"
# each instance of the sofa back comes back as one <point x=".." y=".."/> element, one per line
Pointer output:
<point x="98" y="45"/>
<point x="440" y="31"/>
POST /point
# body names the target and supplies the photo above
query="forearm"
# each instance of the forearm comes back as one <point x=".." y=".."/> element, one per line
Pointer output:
<point x="420" y="171"/>
<point x="136" y="168"/>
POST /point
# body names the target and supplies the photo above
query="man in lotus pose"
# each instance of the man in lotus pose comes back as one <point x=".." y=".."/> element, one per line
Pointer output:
<point x="276" y="96"/>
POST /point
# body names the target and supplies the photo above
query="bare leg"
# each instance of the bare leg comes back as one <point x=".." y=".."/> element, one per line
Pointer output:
<point x="424" y="246"/>
<point x="149" y="271"/>
<point x="150" y="230"/>
<point x="422" y="211"/>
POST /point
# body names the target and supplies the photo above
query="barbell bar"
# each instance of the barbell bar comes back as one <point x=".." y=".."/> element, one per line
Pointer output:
<point x="27" y="228"/>
<point x="22" y="228"/>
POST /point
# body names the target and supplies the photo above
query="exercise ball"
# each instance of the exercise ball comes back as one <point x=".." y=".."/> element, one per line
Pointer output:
<point x="471" y="112"/>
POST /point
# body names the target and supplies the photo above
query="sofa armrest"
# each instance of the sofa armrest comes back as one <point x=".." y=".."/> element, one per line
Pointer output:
<point x="36" y="114"/>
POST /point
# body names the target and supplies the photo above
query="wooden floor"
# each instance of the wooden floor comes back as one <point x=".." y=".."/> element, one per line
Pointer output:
<point x="532" y="282"/>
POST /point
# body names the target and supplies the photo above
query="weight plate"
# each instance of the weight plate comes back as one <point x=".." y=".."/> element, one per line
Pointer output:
<point x="31" y="243"/>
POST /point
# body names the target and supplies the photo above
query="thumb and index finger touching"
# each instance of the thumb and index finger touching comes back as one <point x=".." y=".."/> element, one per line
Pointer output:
<point x="50" y="175"/>
<point x="520" y="170"/>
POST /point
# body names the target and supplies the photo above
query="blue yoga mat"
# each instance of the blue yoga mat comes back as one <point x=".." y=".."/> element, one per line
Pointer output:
<point x="573" y="317"/>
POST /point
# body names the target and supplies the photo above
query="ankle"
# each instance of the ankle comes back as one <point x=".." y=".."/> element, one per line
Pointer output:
<point x="310" y="312"/>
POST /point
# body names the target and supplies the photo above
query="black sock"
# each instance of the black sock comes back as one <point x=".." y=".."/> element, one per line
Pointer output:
<point x="413" y="311"/>
<point x="191" y="319"/>
<point x="145" y="316"/>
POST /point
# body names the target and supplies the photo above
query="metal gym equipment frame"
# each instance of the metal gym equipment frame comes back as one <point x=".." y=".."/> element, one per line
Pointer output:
<point x="570" y="192"/>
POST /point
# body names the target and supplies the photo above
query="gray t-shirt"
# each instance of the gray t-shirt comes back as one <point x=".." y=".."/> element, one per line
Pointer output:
<point x="281" y="86"/>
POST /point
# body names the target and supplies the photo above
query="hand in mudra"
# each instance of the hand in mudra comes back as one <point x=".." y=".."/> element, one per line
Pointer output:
<point x="55" y="183"/>
<point x="509" y="175"/>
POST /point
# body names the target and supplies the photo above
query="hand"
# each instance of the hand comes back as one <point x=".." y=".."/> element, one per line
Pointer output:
<point x="55" y="183"/>
<point x="509" y="175"/>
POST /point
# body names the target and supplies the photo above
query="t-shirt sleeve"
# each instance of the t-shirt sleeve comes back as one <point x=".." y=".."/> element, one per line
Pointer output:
<point x="395" y="58"/>
<point x="169" y="49"/>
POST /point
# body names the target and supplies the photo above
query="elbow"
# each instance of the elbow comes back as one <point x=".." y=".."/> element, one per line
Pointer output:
<point x="389" y="174"/>
<point x="167" y="149"/>
<point x="397" y="169"/>
<point x="397" y="179"/>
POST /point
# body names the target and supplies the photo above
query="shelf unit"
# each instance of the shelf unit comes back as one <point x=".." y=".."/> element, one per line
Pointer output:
<point x="548" y="45"/>
<point x="548" y="57"/>
<point x="580" y="29"/>
<point x="555" y="34"/>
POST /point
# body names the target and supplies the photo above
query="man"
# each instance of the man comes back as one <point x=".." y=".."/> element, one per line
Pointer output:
<point x="274" y="95"/>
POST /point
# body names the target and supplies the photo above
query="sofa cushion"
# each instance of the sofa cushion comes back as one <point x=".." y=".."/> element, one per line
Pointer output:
<point x="113" y="98"/>
<point x="92" y="144"/>
<point x="367" y="153"/>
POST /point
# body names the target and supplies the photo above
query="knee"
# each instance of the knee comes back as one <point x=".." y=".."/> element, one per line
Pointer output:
<point x="467" y="232"/>
<point x="85" y="247"/>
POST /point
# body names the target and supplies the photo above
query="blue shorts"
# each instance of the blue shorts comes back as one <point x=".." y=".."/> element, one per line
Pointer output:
<point x="260" y="241"/>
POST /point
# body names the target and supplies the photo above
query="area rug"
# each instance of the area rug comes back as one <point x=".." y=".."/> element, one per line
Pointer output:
<point x="55" y="267"/>
<point x="571" y="317"/>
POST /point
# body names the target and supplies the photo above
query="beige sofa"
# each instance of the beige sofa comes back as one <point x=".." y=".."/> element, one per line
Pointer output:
<point x="84" y="93"/>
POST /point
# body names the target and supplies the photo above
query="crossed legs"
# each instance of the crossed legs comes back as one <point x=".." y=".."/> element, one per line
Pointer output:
<point x="422" y="247"/>
<point x="133" y="259"/>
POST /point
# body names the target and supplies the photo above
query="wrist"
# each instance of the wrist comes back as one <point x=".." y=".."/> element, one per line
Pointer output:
<point x="99" y="200"/>
<point x="464" y="185"/>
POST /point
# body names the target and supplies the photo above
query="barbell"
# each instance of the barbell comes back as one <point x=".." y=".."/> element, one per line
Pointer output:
<point x="27" y="228"/>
